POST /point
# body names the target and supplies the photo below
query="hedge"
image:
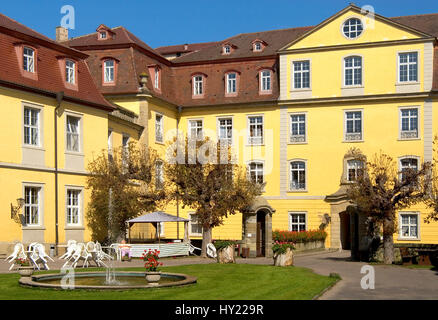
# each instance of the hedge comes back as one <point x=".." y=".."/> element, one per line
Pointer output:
<point x="299" y="237"/>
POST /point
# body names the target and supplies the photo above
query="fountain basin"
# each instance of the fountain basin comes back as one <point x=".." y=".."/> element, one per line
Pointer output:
<point x="96" y="281"/>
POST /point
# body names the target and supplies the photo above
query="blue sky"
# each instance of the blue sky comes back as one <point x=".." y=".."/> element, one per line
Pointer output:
<point x="170" y="22"/>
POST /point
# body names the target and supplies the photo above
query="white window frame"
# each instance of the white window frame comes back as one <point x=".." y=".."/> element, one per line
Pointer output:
<point x="69" y="133"/>
<point x="199" y="136"/>
<point x="157" y="78"/>
<point x="357" y="164"/>
<point x="227" y="49"/>
<point x="409" y="134"/>
<point x="266" y="81"/>
<point x="351" y="137"/>
<point x="408" y="157"/>
<point x="28" y="59"/>
<point x="229" y="140"/>
<point x="110" y="141"/>
<point x="256" y="140"/>
<point x="198" y="85"/>
<point x="109" y="71"/>
<point x="36" y="127"/>
<point x="195" y="234"/>
<point x="159" y="128"/>
<point x="400" y="232"/>
<point x="79" y="206"/>
<point x="399" y="80"/>
<point x="347" y="36"/>
<point x="291" y="188"/>
<point x="257" y="46"/>
<point x="297" y="139"/>
<point x="39" y="205"/>
<point x="299" y="223"/>
<point x="257" y="170"/>
<point x="70" y="71"/>
<point x="231" y="83"/>
<point x="354" y="69"/>
<point x="301" y="72"/>
<point x="102" y="35"/>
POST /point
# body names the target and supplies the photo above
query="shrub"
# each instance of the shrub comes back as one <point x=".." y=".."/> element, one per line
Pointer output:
<point x="222" y="244"/>
<point x="281" y="247"/>
<point x="299" y="237"/>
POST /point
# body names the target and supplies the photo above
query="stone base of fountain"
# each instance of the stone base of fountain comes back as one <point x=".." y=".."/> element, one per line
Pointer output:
<point x="97" y="281"/>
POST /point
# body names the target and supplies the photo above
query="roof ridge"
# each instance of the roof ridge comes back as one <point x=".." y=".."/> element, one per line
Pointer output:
<point x="415" y="15"/>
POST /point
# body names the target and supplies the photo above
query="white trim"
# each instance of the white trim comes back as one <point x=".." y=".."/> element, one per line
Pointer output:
<point x="256" y="161"/>
<point x="292" y="88"/>
<point x="162" y="127"/>
<point x="218" y="119"/>
<point x="344" y="79"/>
<point x="80" y="189"/>
<point x="80" y="131"/>
<point x="398" y="83"/>
<point x="361" y="129"/>
<point x="189" y="128"/>
<point x="248" y="139"/>
<point x="190" y="214"/>
<point x="194" y="92"/>
<point x="40" y="108"/>
<point x="40" y="186"/>
<point x="418" y="137"/>
<point x="364" y="26"/>
<point x="290" y="213"/>
<point x="290" y="114"/>
<point x="400" y="236"/>
<point x="289" y="164"/>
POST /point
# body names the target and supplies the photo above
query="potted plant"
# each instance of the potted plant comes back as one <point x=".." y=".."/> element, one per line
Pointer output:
<point x="283" y="253"/>
<point x="225" y="251"/>
<point x="24" y="267"/>
<point x="150" y="258"/>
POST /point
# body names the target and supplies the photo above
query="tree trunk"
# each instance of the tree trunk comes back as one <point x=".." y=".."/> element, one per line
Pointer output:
<point x="388" y="239"/>
<point x="206" y="239"/>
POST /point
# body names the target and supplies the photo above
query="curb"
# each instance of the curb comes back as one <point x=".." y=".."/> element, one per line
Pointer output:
<point x="319" y="295"/>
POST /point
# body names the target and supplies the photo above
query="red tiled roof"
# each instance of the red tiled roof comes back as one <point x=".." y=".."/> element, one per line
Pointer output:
<point x="183" y="48"/>
<point x="50" y="79"/>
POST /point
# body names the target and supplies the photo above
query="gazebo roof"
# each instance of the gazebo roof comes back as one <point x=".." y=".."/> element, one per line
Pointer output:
<point x="158" y="216"/>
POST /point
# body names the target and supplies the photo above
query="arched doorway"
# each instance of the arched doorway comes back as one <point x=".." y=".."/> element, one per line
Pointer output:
<point x="261" y="234"/>
<point x="345" y="230"/>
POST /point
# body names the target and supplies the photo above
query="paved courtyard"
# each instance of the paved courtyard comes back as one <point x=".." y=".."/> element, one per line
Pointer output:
<point x="391" y="282"/>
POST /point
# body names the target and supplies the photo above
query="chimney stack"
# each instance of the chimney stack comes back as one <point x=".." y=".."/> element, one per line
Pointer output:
<point x="61" y="34"/>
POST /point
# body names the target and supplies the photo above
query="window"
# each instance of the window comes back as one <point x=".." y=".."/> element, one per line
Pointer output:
<point x="255" y="130"/>
<point x="73" y="206"/>
<point x="301" y="74"/>
<point x="125" y="150"/>
<point x="406" y="165"/>
<point x="198" y="85"/>
<point x="73" y="134"/>
<point x="195" y="225"/>
<point x="297" y="221"/>
<point x="196" y="129"/>
<point x="226" y="130"/>
<point x="31" y="126"/>
<point x="408" y="67"/>
<point x="157" y="78"/>
<point x="409" y="227"/>
<point x="159" y="127"/>
<point x="109" y="71"/>
<point x="352" y="28"/>
<point x="32" y="205"/>
<point x="227" y="49"/>
<point x="265" y="81"/>
<point x="231" y="83"/>
<point x="28" y="59"/>
<point x="409" y="123"/>
<point x="256" y="172"/>
<point x="353" y="125"/>
<point x="355" y="168"/>
<point x="159" y="176"/>
<point x="70" y="71"/>
<point x="297" y="175"/>
<point x="297" y="128"/>
<point x="110" y="141"/>
<point x="257" y="46"/>
<point x="353" y="71"/>
<point x="102" y="35"/>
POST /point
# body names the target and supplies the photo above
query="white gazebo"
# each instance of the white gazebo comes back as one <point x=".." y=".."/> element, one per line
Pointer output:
<point x="166" y="249"/>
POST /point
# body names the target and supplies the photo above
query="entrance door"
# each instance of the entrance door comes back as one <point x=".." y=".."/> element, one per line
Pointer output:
<point x="345" y="231"/>
<point x="261" y="234"/>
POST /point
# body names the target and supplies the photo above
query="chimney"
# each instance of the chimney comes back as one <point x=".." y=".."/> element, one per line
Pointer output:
<point x="61" y="34"/>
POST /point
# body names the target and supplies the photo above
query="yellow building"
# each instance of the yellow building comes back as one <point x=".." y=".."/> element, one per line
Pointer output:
<point x="292" y="103"/>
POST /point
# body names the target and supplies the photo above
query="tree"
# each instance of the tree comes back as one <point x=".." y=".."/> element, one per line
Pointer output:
<point x="206" y="180"/>
<point x="122" y="186"/>
<point x="381" y="190"/>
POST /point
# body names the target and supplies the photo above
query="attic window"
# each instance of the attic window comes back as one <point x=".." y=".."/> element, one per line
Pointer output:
<point x="258" y="46"/>
<point x="227" y="49"/>
<point x="102" y="35"/>
<point x="352" y="28"/>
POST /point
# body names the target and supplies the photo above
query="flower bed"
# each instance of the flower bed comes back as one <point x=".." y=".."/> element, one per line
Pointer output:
<point x="304" y="240"/>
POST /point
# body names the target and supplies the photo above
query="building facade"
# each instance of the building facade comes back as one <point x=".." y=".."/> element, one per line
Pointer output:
<point x="292" y="103"/>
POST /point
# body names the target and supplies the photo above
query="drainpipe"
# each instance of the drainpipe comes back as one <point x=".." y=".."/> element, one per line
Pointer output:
<point x="178" y="118"/>
<point x="59" y="98"/>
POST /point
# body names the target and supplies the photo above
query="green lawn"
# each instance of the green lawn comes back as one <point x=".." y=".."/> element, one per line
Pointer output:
<point x="215" y="282"/>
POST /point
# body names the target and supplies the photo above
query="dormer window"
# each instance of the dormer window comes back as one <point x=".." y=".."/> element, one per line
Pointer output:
<point x="102" y="35"/>
<point x="257" y="47"/>
<point x="109" y="71"/>
<point x="198" y="86"/>
<point x="227" y="49"/>
<point x="28" y="59"/>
